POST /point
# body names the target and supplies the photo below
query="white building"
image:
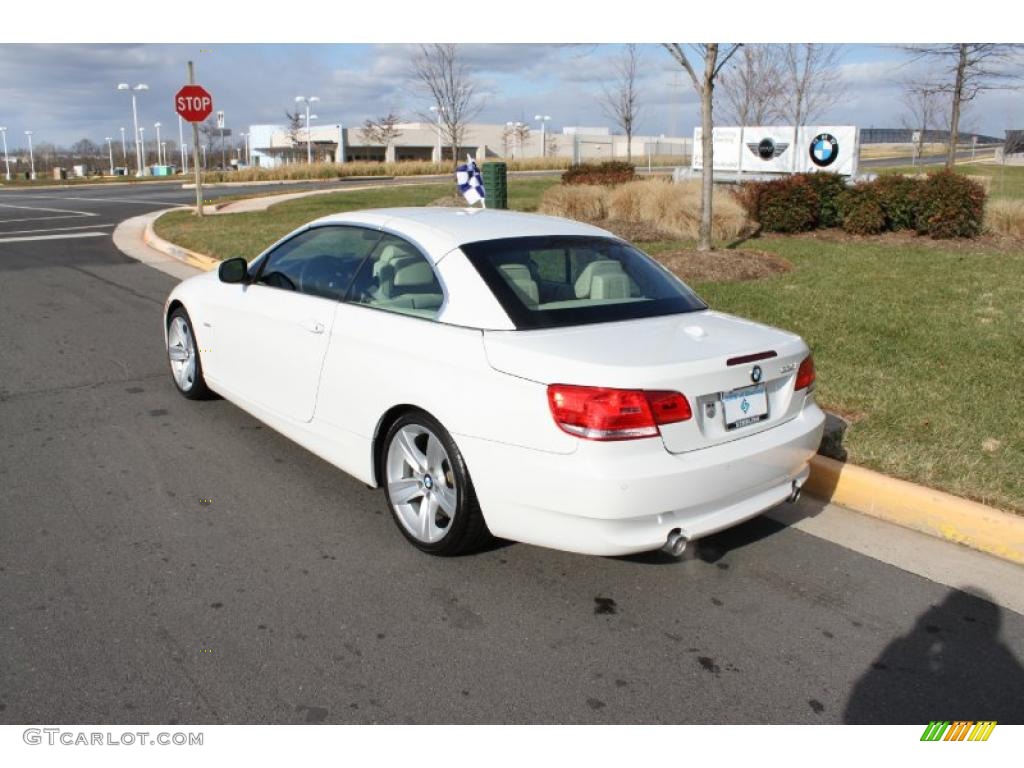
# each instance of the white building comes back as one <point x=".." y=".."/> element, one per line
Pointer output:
<point x="273" y="145"/>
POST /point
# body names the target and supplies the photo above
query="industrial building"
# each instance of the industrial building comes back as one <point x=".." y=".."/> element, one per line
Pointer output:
<point x="274" y="145"/>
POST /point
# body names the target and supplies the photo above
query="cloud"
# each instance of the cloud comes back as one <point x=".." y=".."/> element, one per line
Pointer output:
<point x="67" y="92"/>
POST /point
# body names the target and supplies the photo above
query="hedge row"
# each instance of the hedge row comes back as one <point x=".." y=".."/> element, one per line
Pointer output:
<point x="941" y="205"/>
<point x="611" y="172"/>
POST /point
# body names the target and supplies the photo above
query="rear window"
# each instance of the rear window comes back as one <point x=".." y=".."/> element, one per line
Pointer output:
<point x="551" y="282"/>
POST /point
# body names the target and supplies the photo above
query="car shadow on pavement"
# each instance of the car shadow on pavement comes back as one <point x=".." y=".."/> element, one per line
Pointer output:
<point x="951" y="665"/>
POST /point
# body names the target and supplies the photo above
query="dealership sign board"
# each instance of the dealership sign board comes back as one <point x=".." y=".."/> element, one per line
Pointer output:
<point x="781" y="149"/>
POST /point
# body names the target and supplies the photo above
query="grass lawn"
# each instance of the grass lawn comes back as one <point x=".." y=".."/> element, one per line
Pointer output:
<point x="1007" y="180"/>
<point x="248" y="234"/>
<point x="918" y="343"/>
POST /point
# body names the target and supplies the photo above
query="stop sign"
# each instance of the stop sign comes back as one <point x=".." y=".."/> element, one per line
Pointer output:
<point x="193" y="103"/>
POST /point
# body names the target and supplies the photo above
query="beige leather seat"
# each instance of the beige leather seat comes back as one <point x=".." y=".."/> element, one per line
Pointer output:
<point x="522" y="282"/>
<point x="602" y="279"/>
<point x="409" y="283"/>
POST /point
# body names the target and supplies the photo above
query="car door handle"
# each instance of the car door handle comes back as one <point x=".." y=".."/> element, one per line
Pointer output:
<point x="313" y="326"/>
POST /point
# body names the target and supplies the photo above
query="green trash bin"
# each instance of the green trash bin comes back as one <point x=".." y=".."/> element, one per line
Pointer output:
<point x="495" y="176"/>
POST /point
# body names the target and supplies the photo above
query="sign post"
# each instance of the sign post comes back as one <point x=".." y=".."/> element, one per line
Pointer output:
<point x="194" y="104"/>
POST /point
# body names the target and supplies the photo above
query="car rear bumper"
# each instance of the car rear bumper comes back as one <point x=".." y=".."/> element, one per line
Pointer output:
<point x="621" y="498"/>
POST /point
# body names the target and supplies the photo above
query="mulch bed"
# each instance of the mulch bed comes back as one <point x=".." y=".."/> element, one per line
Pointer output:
<point x="724" y="265"/>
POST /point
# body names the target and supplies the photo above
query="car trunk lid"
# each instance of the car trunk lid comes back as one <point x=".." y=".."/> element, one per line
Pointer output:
<point x="705" y="355"/>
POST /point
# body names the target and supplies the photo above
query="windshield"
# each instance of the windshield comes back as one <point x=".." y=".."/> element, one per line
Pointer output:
<point x="555" y="281"/>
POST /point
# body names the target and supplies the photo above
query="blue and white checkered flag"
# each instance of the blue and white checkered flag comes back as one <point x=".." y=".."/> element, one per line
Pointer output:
<point x="470" y="183"/>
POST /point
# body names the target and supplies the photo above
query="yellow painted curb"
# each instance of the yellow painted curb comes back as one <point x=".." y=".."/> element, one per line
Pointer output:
<point x="192" y="258"/>
<point x="922" y="509"/>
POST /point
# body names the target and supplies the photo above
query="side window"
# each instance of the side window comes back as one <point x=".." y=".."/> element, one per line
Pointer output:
<point x="320" y="262"/>
<point x="398" y="278"/>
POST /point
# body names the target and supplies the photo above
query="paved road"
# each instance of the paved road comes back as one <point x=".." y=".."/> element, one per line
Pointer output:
<point x="170" y="561"/>
<point x="930" y="160"/>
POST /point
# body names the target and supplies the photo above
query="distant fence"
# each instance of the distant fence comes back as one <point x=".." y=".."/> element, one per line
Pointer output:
<point x="906" y="136"/>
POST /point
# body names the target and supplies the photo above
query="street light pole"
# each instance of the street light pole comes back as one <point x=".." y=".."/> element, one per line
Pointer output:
<point x="543" y="133"/>
<point x="309" y="145"/>
<point x="110" y="149"/>
<point x="124" y="151"/>
<point x="7" y="159"/>
<point x="135" y="122"/>
<point x="31" y="157"/>
<point x="142" y="148"/>
<point x="159" y="156"/>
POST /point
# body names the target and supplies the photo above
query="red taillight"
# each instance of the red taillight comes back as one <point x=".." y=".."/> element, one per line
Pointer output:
<point x="805" y="376"/>
<point x="599" y="413"/>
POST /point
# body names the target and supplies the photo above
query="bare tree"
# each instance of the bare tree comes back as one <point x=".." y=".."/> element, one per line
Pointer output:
<point x="384" y="130"/>
<point x="210" y="132"/>
<point x="704" y="85"/>
<point x="620" y="99"/>
<point x="922" y="105"/>
<point x="294" y="130"/>
<point x="963" y="70"/>
<point x="442" y="76"/>
<point x="753" y="86"/>
<point x="812" y="80"/>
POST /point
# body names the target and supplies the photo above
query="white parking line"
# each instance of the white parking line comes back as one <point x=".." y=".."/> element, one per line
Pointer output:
<point x="67" y="236"/>
<point x="51" y="210"/>
<point x="163" y="203"/>
<point x="63" y="213"/>
<point x="51" y="229"/>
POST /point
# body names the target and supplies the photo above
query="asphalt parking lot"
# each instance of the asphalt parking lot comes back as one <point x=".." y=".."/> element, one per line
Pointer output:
<point x="164" y="561"/>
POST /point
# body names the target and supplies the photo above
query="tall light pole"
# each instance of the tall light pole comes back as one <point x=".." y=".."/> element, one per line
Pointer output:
<point x="31" y="156"/>
<point x="245" y="156"/>
<point x="438" y="109"/>
<point x="110" y="149"/>
<point x="135" y="121"/>
<point x="309" y="145"/>
<point x="543" y="133"/>
<point x="142" y="148"/>
<point x="7" y="159"/>
<point x="124" y="151"/>
<point x="159" y="155"/>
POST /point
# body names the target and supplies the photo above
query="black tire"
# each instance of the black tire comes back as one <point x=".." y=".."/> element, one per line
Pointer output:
<point x="466" y="531"/>
<point x="197" y="390"/>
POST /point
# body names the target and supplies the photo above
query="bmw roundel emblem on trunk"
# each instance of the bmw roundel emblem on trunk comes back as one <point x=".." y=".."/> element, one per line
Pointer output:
<point x="824" y="150"/>
<point x="755" y="374"/>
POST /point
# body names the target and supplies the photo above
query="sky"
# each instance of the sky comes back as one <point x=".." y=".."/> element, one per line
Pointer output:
<point x="66" y="92"/>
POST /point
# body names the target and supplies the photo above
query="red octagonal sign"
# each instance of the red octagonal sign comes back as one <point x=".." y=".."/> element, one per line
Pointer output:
<point x="193" y="103"/>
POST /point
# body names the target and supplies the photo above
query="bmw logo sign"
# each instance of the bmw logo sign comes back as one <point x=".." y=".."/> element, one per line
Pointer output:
<point x="824" y="150"/>
<point x="755" y="374"/>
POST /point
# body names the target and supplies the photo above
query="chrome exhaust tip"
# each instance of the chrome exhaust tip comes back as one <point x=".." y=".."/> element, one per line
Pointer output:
<point x="675" y="544"/>
<point x="795" y="493"/>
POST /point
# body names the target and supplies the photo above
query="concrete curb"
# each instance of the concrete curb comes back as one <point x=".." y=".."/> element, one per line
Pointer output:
<point x="192" y="258"/>
<point x="922" y="509"/>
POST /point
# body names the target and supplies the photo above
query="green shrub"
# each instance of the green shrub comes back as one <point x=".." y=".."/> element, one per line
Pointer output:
<point x="897" y="195"/>
<point x="829" y="186"/>
<point x="611" y="172"/>
<point x="861" y="210"/>
<point x="787" y="205"/>
<point x="949" y="205"/>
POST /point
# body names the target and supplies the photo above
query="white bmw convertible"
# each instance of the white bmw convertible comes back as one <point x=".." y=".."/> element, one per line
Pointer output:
<point x="505" y="374"/>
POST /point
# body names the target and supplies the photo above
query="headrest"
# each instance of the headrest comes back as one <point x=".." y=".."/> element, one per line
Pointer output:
<point x="602" y="267"/>
<point x="415" y="273"/>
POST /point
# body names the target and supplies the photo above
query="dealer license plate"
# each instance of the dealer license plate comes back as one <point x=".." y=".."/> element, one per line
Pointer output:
<point x="745" y="406"/>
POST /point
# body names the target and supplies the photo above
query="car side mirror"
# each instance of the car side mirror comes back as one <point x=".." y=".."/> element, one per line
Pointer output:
<point x="233" y="270"/>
